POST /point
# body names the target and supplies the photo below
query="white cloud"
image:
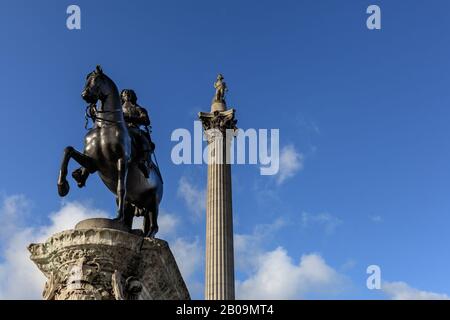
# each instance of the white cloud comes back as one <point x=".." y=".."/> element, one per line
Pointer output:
<point x="278" y="277"/>
<point x="167" y="223"/>
<point x="247" y="247"/>
<point x="190" y="259"/>
<point x="189" y="256"/>
<point x="19" y="277"/>
<point x="274" y="275"/>
<point x="13" y="212"/>
<point x="325" y="220"/>
<point x="67" y="217"/>
<point x="348" y="265"/>
<point x="291" y="162"/>
<point x="194" y="197"/>
<point x="402" y="291"/>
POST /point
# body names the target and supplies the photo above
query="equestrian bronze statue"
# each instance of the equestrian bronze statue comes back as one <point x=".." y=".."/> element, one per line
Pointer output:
<point x="119" y="150"/>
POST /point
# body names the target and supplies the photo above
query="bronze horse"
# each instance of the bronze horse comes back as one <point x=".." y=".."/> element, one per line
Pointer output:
<point x="108" y="150"/>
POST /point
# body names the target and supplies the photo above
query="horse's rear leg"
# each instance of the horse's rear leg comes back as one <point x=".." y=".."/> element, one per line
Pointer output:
<point x="122" y="172"/>
<point x="82" y="159"/>
<point x="151" y="220"/>
<point x="128" y="215"/>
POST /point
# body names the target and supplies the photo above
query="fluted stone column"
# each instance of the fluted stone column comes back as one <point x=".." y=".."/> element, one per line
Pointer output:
<point x="219" y="271"/>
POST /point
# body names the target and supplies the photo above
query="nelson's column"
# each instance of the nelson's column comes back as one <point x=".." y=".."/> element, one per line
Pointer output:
<point x="219" y="126"/>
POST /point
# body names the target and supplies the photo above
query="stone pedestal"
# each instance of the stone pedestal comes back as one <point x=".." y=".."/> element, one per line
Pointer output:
<point x="98" y="261"/>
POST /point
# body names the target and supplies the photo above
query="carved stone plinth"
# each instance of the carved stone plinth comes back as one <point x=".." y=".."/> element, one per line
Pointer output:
<point x="92" y="263"/>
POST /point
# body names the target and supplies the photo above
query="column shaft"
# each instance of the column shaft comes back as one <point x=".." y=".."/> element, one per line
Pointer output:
<point x="219" y="271"/>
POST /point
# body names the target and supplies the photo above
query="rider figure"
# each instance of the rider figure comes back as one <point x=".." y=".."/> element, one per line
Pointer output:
<point x="136" y="117"/>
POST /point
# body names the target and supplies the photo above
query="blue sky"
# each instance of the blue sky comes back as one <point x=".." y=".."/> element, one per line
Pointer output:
<point x="363" y="119"/>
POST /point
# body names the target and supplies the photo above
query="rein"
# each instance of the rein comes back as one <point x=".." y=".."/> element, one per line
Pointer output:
<point x="91" y="113"/>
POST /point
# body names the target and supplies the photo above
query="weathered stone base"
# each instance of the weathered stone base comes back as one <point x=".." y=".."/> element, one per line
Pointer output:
<point x="92" y="263"/>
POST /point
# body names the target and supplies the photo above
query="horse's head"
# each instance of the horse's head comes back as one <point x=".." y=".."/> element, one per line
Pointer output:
<point x="97" y="86"/>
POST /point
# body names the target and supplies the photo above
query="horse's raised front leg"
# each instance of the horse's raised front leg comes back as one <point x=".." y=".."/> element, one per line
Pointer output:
<point x="80" y="175"/>
<point x="122" y="173"/>
<point x="82" y="159"/>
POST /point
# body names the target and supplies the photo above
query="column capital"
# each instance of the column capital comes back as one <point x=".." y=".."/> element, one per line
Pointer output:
<point x="220" y="120"/>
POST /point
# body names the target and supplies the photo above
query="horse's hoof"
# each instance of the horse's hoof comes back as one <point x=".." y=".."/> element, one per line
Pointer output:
<point x="77" y="175"/>
<point x="152" y="233"/>
<point x="63" y="188"/>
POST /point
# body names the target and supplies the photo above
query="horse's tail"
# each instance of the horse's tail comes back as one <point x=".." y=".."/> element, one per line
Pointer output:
<point x="155" y="165"/>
